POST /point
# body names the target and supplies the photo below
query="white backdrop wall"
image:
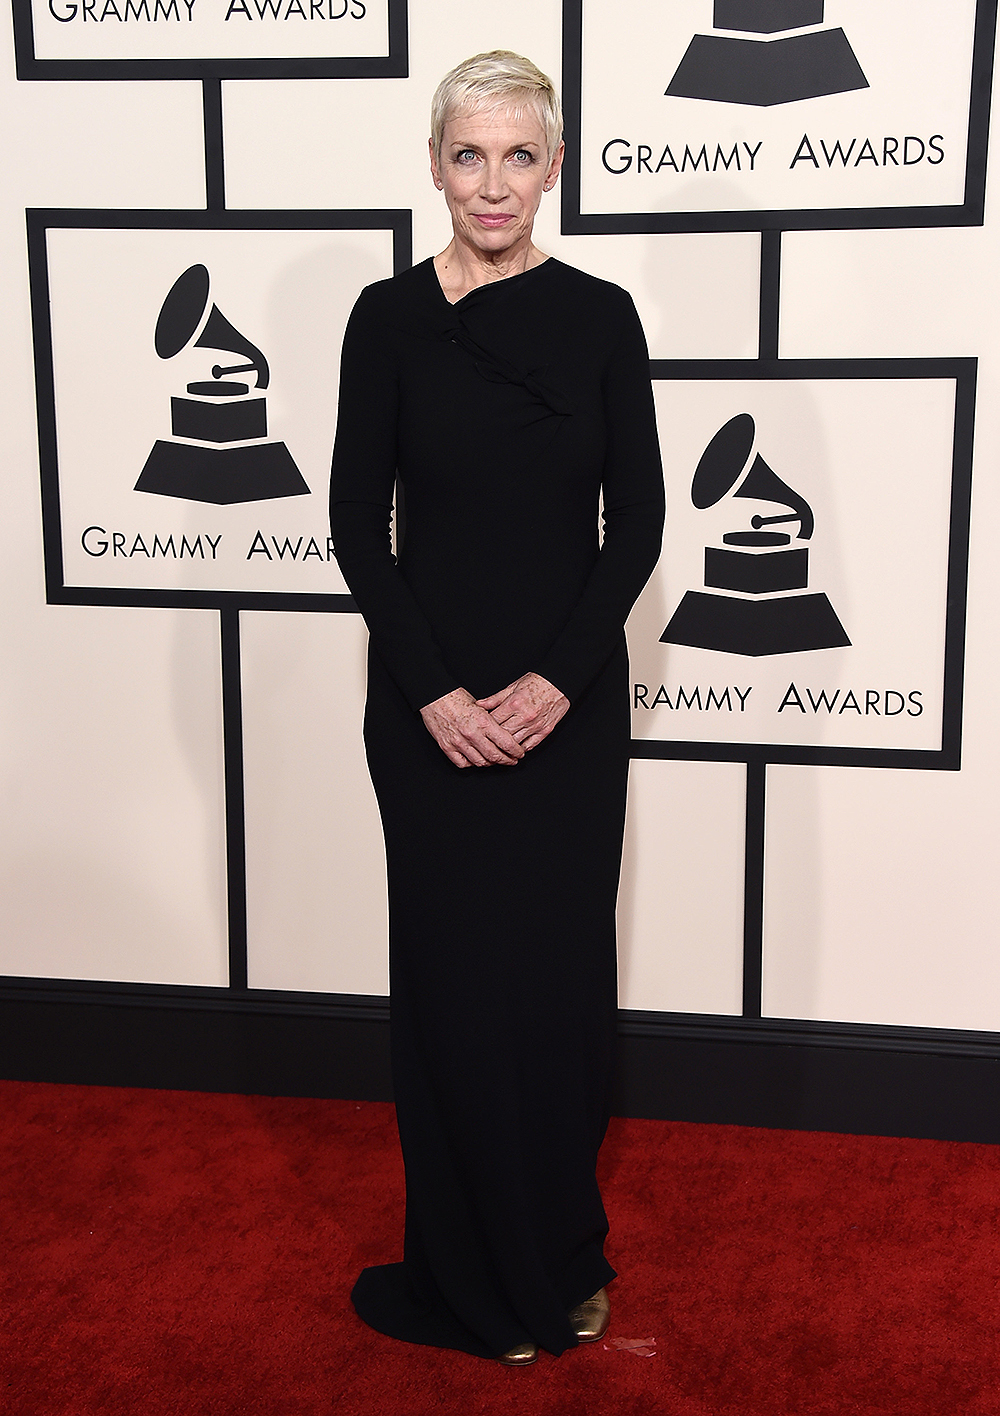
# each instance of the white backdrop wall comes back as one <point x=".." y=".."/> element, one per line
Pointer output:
<point x="879" y="903"/>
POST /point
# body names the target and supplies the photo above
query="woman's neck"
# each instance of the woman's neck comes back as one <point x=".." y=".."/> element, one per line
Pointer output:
<point x="461" y="269"/>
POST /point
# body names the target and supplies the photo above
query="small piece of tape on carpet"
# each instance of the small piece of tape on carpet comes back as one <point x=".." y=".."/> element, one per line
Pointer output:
<point x="638" y="1346"/>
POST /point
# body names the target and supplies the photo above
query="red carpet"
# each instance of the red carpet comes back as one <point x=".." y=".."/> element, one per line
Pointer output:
<point x="182" y="1254"/>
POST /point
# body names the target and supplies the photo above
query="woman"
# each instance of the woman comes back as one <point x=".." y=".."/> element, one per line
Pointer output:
<point x="497" y="391"/>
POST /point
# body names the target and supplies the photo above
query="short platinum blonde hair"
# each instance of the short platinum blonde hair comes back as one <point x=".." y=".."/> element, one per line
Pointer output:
<point x="497" y="80"/>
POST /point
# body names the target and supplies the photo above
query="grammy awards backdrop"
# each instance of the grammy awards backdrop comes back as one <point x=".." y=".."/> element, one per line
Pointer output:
<point x="226" y="504"/>
<point x="807" y="610"/>
<point x="799" y="195"/>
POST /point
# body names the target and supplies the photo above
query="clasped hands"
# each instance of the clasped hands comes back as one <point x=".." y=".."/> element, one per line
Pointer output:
<point x="495" y="731"/>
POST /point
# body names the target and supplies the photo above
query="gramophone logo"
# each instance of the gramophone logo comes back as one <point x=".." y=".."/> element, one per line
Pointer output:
<point x="766" y="607"/>
<point x="782" y="68"/>
<point x="219" y="451"/>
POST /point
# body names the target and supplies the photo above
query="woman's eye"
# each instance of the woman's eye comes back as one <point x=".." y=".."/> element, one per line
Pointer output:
<point x="523" y="157"/>
<point x="465" y="155"/>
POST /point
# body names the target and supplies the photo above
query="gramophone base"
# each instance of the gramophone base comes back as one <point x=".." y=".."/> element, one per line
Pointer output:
<point x="218" y="422"/>
<point x="766" y="72"/>
<point x="767" y="16"/>
<point x="755" y="627"/>
<point x="221" y="475"/>
<point x="756" y="574"/>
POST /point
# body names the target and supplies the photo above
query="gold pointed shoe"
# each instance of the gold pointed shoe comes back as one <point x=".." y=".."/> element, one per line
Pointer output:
<point x="521" y="1356"/>
<point x="590" y="1320"/>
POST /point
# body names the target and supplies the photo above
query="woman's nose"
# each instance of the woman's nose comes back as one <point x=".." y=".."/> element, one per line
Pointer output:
<point x="494" y="186"/>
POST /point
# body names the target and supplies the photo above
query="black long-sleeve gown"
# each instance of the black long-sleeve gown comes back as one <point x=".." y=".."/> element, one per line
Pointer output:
<point x="504" y="417"/>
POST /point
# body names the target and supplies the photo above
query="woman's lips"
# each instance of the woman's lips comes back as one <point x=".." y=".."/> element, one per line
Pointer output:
<point x="492" y="218"/>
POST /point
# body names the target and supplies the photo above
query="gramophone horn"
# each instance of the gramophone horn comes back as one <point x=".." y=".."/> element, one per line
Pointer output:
<point x="762" y="484"/>
<point x="722" y="461"/>
<point x="220" y="334"/>
<point x="181" y="311"/>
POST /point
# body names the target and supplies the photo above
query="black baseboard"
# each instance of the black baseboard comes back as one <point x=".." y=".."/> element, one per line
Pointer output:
<point x="182" y="1039"/>
<point x="856" y="1081"/>
<point x="798" y="1075"/>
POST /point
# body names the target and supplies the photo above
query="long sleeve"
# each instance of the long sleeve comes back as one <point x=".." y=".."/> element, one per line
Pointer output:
<point x="633" y="519"/>
<point x="361" y="496"/>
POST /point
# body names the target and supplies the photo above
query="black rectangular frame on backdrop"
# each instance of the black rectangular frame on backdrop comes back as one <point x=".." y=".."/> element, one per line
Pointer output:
<point x="394" y="65"/>
<point x="970" y="213"/>
<point x="963" y="372"/>
<point x="40" y="222"/>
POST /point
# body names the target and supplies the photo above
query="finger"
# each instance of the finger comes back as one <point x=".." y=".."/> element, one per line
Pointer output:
<point x="494" y="699"/>
<point x="503" y="741"/>
<point x="502" y="711"/>
<point x="498" y="755"/>
<point x="489" y="730"/>
<point x="493" y="757"/>
<point x="484" y="751"/>
<point x="483" y="741"/>
<point x="514" y="707"/>
<point x="520" y="728"/>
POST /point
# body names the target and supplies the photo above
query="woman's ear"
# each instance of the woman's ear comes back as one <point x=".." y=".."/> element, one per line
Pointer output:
<point x="434" y="165"/>
<point x="554" y="169"/>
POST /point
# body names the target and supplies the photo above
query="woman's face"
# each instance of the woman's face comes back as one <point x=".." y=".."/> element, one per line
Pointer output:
<point x="493" y="170"/>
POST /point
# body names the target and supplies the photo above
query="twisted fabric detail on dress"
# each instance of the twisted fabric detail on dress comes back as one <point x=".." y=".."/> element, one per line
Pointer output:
<point x="497" y="369"/>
